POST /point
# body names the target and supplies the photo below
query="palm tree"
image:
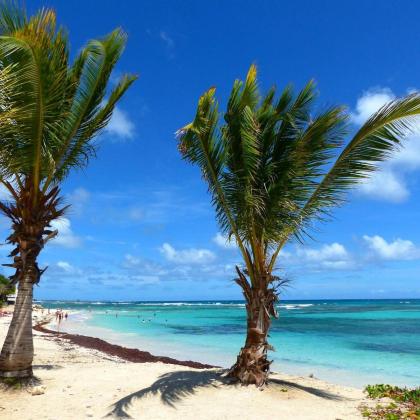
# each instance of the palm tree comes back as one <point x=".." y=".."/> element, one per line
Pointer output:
<point x="50" y="110"/>
<point x="273" y="169"/>
<point x="6" y="288"/>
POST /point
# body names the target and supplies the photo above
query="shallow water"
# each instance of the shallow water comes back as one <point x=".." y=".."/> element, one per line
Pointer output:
<point x="353" y="342"/>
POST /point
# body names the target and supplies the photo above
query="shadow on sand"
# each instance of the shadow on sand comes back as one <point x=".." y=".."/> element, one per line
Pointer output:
<point x="174" y="386"/>
<point x="46" y="367"/>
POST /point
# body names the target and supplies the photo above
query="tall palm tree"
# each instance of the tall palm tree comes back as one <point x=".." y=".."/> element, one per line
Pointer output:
<point x="273" y="168"/>
<point x="50" y="110"/>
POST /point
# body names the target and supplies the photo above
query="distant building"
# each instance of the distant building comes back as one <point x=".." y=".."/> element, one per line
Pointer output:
<point x="11" y="299"/>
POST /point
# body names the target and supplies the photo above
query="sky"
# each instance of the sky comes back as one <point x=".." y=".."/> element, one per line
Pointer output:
<point x="141" y="226"/>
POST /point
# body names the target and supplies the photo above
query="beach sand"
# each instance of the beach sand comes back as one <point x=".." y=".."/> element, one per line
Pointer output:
<point x="77" y="383"/>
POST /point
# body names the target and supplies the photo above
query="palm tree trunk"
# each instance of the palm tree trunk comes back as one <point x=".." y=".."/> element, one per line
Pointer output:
<point x="252" y="365"/>
<point x="18" y="350"/>
<point x="31" y="214"/>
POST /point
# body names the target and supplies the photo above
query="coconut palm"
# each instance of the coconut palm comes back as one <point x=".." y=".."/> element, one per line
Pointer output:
<point x="6" y="288"/>
<point x="273" y="168"/>
<point x="50" y="110"/>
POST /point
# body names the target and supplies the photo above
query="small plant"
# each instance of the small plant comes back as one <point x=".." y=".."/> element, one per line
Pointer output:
<point x="405" y="403"/>
<point x="11" y="383"/>
<point x="14" y="384"/>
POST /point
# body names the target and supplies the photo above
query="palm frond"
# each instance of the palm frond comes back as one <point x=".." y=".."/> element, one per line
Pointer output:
<point x="373" y="143"/>
<point x="50" y="110"/>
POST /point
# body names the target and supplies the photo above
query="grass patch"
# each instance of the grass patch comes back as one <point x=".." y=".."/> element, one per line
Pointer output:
<point x="18" y="383"/>
<point x="404" y="404"/>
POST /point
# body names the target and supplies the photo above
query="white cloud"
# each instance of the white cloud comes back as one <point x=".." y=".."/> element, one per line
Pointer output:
<point x="120" y="125"/>
<point x="328" y="256"/>
<point x="334" y="252"/>
<point x="389" y="182"/>
<point x="65" y="266"/>
<point x="400" y="249"/>
<point x="385" y="185"/>
<point x="224" y="242"/>
<point x="370" y="102"/>
<point x="65" y="236"/>
<point x="186" y="256"/>
<point x="408" y="158"/>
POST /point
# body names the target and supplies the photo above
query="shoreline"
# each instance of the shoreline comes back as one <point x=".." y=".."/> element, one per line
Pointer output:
<point x="330" y="372"/>
<point x="128" y="354"/>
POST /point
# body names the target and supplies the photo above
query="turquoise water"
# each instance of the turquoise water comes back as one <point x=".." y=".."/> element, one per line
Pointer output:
<point x="353" y="342"/>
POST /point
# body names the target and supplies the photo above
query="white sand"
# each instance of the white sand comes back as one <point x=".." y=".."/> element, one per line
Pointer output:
<point x="77" y="383"/>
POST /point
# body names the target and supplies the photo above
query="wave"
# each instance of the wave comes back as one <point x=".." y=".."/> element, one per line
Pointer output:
<point x="295" y="305"/>
<point x="193" y="304"/>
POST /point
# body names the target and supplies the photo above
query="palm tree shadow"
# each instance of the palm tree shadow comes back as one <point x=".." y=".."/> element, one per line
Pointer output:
<point x="287" y="385"/>
<point x="174" y="386"/>
<point x="46" y="367"/>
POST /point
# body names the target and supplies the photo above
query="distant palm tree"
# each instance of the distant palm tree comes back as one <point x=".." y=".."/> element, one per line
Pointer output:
<point x="6" y="288"/>
<point x="272" y="170"/>
<point x="50" y="110"/>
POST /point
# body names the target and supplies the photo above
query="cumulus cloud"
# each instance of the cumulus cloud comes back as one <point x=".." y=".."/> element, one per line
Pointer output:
<point x="334" y="256"/>
<point x="120" y="126"/>
<point x="328" y="256"/>
<point x="65" y="236"/>
<point x="389" y="183"/>
<point x="334" y="251"/>
<point x="186" y="256"/>
<point x="370" y="102"/>
<point x="385" y="184"/>
<point x="224" y="242"/>
<point x="400" y="249"/>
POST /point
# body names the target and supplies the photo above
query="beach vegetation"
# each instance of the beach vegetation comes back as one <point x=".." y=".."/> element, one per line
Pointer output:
<point x="400" y="403"/>
<point x="51" y="109"/>
<point x="275" y="166"/>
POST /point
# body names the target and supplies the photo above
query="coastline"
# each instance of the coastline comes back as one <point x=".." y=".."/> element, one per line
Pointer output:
<point x="180" y="339"/>
<point x="83" y="382"/>
<point x="124" y="353"/>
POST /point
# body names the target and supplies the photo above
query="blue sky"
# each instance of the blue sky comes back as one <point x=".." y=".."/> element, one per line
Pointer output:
<point x="141" y="226"/>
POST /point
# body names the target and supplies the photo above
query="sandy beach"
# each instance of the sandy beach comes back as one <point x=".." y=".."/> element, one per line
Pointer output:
<point x="78" y="382"/>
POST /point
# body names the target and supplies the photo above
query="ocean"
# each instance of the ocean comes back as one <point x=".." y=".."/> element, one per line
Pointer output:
<point x="350" y="342"/>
